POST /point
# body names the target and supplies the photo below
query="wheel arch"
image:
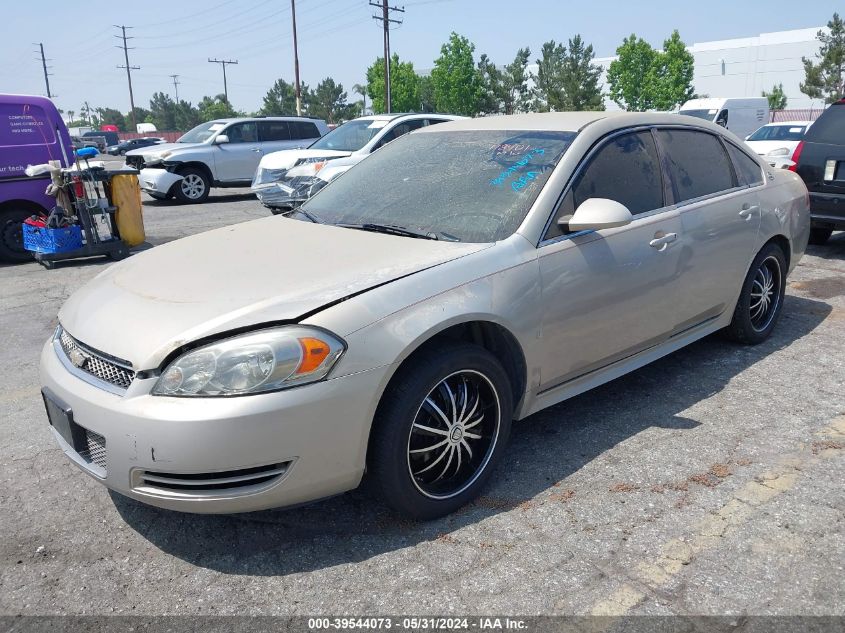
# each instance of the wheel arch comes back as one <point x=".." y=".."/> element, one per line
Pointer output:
<point x="22" y="203"/>
<point x="195" y="164"/>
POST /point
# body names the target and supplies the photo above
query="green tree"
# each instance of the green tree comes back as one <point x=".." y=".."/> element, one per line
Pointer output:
<point x="163" y="112"/>
<point x="361" y="89"/>
<point x="110" y="116"/>
<point x="280" y="100"/>
<point x="218" y="107"/>
<point x="671" y="75"/>
<point x="187" y="116"/>
<point x="548" y="88"/>
<point x="142" y="115"/>
<point x="493" y="86"/>
<point x="426" y="94"/>
<point x="628" y="76"/>
<point x="516" y="97"/>
<point x="777" y="98"/>
<point x="329" y="101"/>
<point x="404" y="86"/>
<point x="580" y="77"/>
<point x="457" y="84"/>
<point x="824" y="80"/>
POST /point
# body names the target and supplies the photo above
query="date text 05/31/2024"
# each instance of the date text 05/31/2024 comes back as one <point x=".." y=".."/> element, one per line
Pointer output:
<point x="417" y="624"/>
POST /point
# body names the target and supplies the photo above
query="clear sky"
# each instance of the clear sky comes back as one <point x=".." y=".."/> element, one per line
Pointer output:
<point x="337" y="38"/>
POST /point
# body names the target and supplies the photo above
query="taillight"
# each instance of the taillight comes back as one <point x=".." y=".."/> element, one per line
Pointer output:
<point x="795" y="156"/>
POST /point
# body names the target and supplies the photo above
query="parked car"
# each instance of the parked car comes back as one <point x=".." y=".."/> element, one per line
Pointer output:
<point x="777" y="141"/>
<point x="820" y="161"/>
<point x="31" y="133"/>
<point x="133" y="143"/>
<point x="740" y="116"/>
<point x="103" y="138"/>
<point x="79" y="143"/>
<point x="221" y="153"/>
<point x="286" y="179"/>
<point x="465" y="275"/>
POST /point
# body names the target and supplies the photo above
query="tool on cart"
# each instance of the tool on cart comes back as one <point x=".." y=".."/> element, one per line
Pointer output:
<point x="98" y="212"/>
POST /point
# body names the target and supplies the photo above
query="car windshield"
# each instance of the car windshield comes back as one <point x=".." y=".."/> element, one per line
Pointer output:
<point x="349" y="137"/>
<point x="472" y="186"/>
<point x="202" y="132"/>
<point x="707" y="115"/>
<point x="779" y="133"/>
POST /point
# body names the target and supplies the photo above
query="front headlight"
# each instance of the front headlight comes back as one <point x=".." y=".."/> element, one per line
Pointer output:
<point x="267" y="177"/>
<point x="780" y="151"/>
<point x="267" y="360"/>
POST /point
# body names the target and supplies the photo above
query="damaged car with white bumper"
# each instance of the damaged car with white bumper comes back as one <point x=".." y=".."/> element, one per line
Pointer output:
<point x="286" y="179"/>
<point x="467" y="275"/>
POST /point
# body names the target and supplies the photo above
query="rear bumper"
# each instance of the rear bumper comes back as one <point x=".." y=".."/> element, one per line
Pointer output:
<point x="827" y="210"/>
<point x="157" y="181"/>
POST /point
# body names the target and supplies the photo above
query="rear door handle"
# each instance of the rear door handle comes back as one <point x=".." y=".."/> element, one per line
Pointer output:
<point x="748" y="210"/>
<point x="660" y="242"/>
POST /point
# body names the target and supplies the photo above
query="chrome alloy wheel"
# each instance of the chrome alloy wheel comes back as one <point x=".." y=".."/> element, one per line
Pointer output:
<point x="193" y="186"/>
<point x="765" y="294"/>
<point x="454" y="434"/>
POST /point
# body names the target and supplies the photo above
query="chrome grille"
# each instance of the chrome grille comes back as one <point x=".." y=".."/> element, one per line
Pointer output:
<point x="214" y="482"/>
<point x="96" y="451"/>
<point x="94" y="363"/>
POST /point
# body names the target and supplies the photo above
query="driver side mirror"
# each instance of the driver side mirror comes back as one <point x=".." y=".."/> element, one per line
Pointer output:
<point x="598" y="213"/>
<point x="220" y="139"/>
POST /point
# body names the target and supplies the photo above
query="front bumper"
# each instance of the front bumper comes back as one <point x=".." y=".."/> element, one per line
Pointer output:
<point x="157" y="181"/>
<point x="310" y="441"/>
<point x="827" y="210"/>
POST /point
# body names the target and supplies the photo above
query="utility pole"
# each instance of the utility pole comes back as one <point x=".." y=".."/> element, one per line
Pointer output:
<point x="129" y="70"/>
<point x="223" y="62"/>
<point x="296" y="61"/>
<point x="386" y="20"/>
<point x="176" y="86"/>
<point x="46" y="74"/>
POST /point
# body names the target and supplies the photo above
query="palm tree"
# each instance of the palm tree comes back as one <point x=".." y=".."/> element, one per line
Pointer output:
<point x="70" y="114"/>
<point x="361" y="90"/>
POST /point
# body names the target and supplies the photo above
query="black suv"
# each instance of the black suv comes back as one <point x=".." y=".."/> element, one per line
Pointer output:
<point x="820" y="161"/>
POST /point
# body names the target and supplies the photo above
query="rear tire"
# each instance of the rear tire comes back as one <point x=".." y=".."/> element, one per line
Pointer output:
<point x="194" y="186"/>
<point x="11" y="235"/>
<point x="440" y="430"/>
<point x="761" y="300"/>
<point x="818" y="237"/>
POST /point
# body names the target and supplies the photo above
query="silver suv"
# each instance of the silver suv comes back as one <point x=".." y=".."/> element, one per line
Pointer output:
<point x="219" y="153"/>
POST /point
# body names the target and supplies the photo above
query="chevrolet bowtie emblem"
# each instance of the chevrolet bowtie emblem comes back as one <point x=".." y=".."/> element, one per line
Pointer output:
<point x="78" y="358"/>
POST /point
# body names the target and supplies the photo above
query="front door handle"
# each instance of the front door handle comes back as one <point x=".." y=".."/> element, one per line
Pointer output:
<point x="660" y="242"/>
<point x="256" y="149"/>
<point x="748" y="210"/>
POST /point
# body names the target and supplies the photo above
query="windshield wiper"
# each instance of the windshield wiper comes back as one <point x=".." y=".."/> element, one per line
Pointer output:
<point x="391" y="229"/>
<point x="304" y="212"/>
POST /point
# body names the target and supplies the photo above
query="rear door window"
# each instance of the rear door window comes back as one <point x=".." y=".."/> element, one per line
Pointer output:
<point x="300" y="130"/>
<point x="747" y="168"/>
<point x="274" y="130"/>
<point x="697" y="163"/>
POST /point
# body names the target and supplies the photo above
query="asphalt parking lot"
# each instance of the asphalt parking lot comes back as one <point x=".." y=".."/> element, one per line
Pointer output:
<point x="710" y="482"/>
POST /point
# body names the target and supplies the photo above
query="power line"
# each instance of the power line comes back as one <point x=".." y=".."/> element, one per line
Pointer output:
<point x="386" y="20"/>
<point x="129" y="70"/>
<point x="175" y="85"/>
<point x="46" y="74"/>
<point x="223" y="63"/>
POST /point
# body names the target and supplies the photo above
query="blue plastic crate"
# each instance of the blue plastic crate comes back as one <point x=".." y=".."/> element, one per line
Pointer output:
<point x="43" y="240"/>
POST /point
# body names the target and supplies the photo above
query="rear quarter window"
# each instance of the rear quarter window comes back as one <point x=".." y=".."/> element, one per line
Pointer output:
<point x="829" y="127"/>
<point x="303" y="130"/>
<point x="747" y="168"/>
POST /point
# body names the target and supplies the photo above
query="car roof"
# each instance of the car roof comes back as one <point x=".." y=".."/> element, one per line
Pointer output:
<point x="773" y="123"/>
<point x="292" y="117"/>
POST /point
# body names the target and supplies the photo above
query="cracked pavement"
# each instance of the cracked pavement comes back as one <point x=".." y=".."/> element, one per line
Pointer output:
<point x="710" y="482"/>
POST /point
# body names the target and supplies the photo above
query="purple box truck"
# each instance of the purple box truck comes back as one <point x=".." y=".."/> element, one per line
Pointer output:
<point x="31" y="133"/>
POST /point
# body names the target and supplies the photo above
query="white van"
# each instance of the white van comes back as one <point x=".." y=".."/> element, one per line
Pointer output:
<point x="740" y="116"/>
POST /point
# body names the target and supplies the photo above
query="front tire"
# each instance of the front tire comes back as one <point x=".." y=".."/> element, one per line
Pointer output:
<point x="440" y="430"/>
<point x="761" y="301"/>
<point x="819" y="237"/>
<point x="194" y="186"/>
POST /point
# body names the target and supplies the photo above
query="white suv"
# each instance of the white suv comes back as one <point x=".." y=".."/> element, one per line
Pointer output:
<point x="284" y="180"/>
<point x="220" y="153"/>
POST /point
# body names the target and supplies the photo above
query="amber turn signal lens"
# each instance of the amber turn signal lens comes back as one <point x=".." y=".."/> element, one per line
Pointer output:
<point x="314" y="352"/>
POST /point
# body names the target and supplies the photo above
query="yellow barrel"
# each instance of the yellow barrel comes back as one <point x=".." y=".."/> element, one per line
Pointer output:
<point x="126" y="196"/>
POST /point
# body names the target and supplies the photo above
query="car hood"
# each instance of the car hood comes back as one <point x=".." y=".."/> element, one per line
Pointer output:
<point x="163" y="147"/>
<point x="287" y="158"/>
<point x="764" y="147"/>
<point x="258" y="272"/>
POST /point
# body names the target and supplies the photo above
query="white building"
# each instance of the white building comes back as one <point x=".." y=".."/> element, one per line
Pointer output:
<point x="746" y="66"/>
